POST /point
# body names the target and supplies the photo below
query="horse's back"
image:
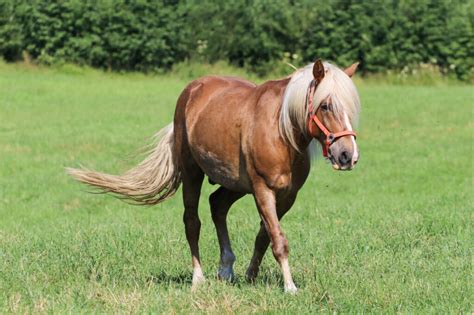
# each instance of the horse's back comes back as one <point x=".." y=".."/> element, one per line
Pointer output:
<point x="213" y="100"/>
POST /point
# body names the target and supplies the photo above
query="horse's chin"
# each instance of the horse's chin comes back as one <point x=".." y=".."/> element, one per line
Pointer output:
<point x="337" y="167"/>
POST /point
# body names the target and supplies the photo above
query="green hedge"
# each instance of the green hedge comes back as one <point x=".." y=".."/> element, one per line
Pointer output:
<point x="154" y="35"/>
<point x="129" y="35"/>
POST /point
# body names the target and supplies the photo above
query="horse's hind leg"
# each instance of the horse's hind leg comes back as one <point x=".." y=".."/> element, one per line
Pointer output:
<point x="221" y="201"/>
<point x="192" y="181"/>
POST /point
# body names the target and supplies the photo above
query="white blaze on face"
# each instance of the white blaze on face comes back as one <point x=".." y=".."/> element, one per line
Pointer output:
<point x="355" y="154"/>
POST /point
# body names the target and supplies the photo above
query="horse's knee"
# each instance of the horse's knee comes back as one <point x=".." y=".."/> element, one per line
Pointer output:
<point x="280" y="248"/>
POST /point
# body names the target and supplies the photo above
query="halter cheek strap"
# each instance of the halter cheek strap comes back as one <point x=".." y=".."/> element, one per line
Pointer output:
<point x="330" y="137"/>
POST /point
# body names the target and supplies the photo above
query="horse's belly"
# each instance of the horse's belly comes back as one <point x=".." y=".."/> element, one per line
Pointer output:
<point x="222" y="172"/>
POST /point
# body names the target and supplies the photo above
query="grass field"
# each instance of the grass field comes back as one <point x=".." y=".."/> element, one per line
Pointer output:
<point x="392" y="236"/>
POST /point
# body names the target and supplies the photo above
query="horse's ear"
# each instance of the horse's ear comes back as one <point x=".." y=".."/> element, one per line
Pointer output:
<point x="351" y="70"/>
<point x="318" y="70"/>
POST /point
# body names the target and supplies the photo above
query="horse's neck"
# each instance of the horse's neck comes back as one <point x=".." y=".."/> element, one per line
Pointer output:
<point x="302" y="141"/>
<point x="300" y="136"/>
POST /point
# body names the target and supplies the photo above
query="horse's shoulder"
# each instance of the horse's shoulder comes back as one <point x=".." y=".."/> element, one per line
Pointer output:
<point x="271" y="157"/>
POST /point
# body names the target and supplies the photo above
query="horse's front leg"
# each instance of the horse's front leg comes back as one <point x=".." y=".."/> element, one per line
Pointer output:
<point x="262" y="240"/>
<point x="267" y="207"/>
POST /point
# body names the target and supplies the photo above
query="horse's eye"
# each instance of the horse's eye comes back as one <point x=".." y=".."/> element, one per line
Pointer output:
<point x="324" y="107"/>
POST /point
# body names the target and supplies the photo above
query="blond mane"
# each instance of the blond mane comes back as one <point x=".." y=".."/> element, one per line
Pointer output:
<point x="335" y="84"/>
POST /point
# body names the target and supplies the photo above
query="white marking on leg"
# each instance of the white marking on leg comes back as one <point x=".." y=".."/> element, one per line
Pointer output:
<point x="355" y="154"/>
<point x="198" y="276"/>
<point x="290" y="286"/>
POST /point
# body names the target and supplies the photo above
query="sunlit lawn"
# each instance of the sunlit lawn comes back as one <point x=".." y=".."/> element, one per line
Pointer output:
<point x="394" y="235"/>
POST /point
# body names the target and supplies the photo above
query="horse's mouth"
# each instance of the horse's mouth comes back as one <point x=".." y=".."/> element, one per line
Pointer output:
<point x="336" y="166"/>
<point x="333" y="162"/>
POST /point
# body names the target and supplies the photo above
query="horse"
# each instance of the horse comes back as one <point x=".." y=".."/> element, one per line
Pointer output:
<point x="248" y="139"/>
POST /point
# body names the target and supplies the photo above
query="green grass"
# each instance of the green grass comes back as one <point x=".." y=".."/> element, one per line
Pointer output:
<point x="394" y="235"/>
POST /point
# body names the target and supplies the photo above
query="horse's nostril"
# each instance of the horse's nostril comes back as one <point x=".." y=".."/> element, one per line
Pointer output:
<point x="345" y="158"/>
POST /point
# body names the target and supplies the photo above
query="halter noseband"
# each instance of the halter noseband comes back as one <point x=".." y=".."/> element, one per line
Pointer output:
<point x="330" y="137"/>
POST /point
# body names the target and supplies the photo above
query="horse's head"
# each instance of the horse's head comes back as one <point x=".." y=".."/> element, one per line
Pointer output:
<point x="333" y="105"/>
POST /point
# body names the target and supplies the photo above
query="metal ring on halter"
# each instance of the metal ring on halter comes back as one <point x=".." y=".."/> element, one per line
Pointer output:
<point x="331" y="138"/>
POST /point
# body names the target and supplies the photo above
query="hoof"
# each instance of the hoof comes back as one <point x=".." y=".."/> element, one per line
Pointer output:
<point x="197" y="281"/>
<point x="291" y="289"/>
<point x="250" y="275"/>
<point x="226" y="274"/>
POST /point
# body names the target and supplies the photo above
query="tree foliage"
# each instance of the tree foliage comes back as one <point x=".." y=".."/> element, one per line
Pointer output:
<point x="152" y="35"/>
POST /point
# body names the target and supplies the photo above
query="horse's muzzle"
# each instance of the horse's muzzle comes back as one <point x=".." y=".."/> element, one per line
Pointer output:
<point x="343" y="159"/>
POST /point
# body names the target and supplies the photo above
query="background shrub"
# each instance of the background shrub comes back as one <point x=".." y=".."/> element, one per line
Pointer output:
<point x="119" y="35"/>
<point x="257" y="35"/>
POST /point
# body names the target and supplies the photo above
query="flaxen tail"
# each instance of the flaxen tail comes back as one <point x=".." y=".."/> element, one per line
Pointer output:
<point x="154" y="180"/>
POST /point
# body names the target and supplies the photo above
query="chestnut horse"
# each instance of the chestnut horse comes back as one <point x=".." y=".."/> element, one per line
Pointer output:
<point x="249" y="139"/>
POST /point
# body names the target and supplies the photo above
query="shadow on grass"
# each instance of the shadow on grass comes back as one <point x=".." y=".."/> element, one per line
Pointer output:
<point x="266" y="278"/>
<point x="273" y="278"/>
<point x="165" y="278"/>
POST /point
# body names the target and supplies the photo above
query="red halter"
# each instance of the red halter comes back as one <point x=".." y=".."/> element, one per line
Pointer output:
<point x="330" y="137"/>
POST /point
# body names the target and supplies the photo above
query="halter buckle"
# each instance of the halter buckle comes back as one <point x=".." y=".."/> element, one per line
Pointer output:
<point x="331" y="138"/>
